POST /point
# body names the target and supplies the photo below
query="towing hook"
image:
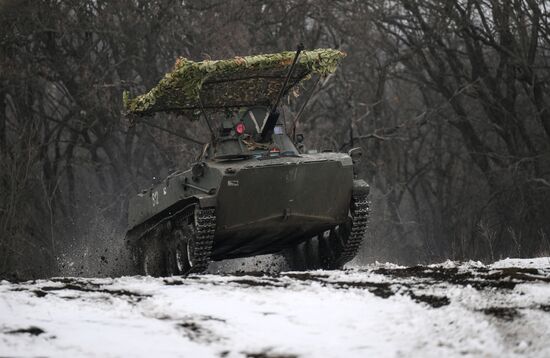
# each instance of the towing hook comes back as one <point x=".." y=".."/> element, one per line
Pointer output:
<point x="197" y="170"/>
<point x="356" y="154"/>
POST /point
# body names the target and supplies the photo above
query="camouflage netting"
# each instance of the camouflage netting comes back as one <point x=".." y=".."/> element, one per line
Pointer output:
<point x="237" y="82"/>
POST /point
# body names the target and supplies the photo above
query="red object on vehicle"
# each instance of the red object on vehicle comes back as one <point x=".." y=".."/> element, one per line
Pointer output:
<point x="239" y="128"/>
<point x="275" y="150"/>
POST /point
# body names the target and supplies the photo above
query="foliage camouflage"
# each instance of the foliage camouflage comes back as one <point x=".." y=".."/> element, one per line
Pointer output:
<point x="237" y="82"/>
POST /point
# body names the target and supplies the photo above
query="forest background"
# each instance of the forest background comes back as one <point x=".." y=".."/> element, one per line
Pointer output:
<point x="449" y="100"/>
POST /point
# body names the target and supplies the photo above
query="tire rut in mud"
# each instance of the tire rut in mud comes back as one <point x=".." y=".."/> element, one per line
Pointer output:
<point x="82" y="285"/>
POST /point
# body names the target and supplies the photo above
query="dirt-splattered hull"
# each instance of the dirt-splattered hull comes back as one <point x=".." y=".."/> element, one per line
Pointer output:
<point x="450" y="309"/>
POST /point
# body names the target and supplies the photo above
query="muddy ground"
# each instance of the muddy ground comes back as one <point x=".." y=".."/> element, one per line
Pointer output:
<point x="454" y="309"/>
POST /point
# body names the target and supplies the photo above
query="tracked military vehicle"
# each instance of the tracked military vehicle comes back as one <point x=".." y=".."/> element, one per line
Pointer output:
<point x="252" y="191"/>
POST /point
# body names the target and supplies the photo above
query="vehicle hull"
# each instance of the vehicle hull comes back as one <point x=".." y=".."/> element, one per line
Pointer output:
<point x="262" y="206"/>
<point x="276" y="206"/>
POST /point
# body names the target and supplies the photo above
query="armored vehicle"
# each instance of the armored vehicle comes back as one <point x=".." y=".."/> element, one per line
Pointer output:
<point x="252" y="191"/>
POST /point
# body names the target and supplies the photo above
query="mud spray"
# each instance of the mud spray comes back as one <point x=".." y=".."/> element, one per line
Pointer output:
<point x="99" y="251"/>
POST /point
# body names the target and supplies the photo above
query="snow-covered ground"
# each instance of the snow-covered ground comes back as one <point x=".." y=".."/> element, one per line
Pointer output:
<point x="382" y="310"/>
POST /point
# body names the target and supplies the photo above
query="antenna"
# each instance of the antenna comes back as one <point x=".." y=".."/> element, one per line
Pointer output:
<point x="299" y="49"/>
<point x="206" y="118"/>
<point x="297" y="118"/>
<point x="274" y="113"/>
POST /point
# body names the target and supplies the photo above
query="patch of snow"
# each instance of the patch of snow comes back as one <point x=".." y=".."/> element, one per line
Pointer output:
<point x="538" y="262"/>
<point x="382" y="310"/>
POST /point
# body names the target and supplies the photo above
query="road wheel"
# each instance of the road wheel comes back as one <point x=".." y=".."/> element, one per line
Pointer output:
<point x="327" y="250"/>
<point x="332" y="249"/>
<point x="180" y="251"/>
<point x="317" y="252"/>
<point x="295" y="258"/>
<point x="152" y="255"/>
